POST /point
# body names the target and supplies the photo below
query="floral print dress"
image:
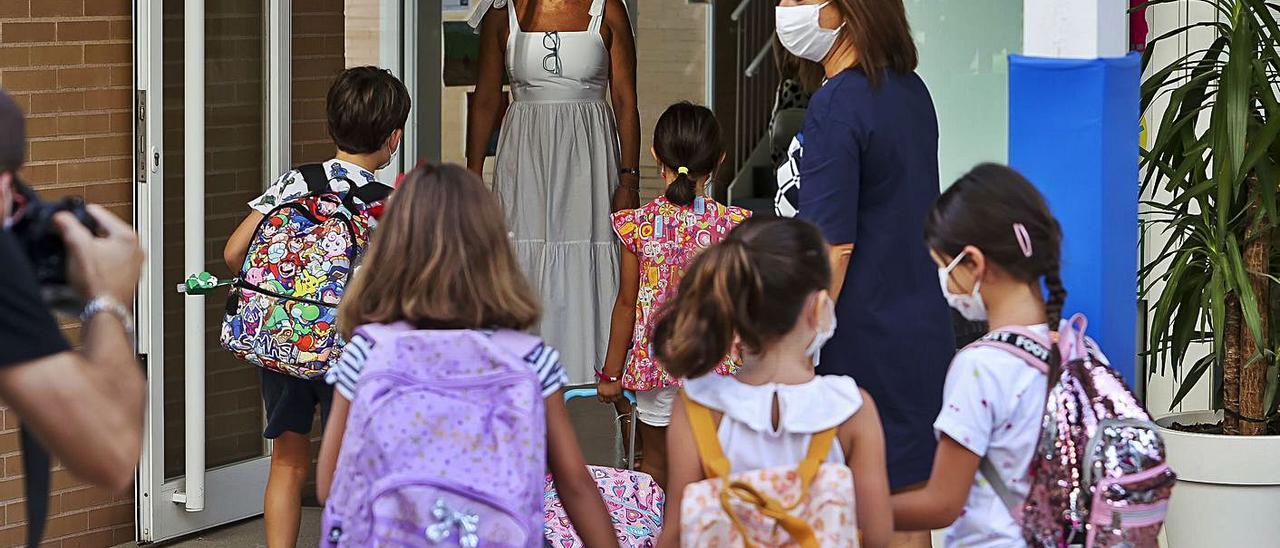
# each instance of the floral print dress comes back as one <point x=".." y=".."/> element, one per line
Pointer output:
<point x="665" y="238"/>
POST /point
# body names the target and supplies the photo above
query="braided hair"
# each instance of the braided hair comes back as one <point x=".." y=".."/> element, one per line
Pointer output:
<point x="997" y="210"/>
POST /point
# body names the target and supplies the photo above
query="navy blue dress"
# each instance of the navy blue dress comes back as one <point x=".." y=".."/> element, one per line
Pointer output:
<point x="868" y="176"/>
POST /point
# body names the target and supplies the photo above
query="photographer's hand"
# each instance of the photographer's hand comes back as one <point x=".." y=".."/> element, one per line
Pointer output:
<point x="104" y="265"/>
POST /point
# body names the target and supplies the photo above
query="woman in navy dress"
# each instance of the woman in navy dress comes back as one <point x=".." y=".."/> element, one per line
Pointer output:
<point x="867" y="159"/>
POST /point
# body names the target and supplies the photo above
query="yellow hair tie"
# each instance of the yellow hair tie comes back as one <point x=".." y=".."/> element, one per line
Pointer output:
<point x="682" y="170"/>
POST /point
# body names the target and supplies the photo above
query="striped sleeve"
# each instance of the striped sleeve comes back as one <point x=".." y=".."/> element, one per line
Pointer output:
<point x="346" y="373"/>
<point x="545" y="361"/>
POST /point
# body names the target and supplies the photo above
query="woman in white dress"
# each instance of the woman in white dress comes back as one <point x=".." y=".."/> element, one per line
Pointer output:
<point x="565" y="160"/>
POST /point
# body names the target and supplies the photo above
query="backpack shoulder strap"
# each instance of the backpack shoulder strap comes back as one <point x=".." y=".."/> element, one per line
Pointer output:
<point x="714" y="463"/>
<point x="992" y="476"/>
<point x="520" y="344"/>
<point x="1020" y="342"/>
<point x="370" y="192"/>
<point x="313" y="174"/>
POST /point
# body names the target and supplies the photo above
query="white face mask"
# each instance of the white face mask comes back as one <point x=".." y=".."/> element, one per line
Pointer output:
<point x="799" y="31"/>
<point x="392" y="157"/>
<point x="825" y="332"/>
<point x="970" y="306"/>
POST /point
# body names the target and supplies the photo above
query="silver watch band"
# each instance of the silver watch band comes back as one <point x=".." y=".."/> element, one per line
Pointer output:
<point x="111" y="306"/>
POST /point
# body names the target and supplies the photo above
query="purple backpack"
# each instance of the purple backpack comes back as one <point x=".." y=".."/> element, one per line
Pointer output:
<point x="1099" y="476"/>
<point x="445" y="443"/>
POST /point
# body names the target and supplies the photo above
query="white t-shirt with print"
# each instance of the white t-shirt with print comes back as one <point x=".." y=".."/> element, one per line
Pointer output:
<point x="291" y="185"/>
<point x="992" y="404"/>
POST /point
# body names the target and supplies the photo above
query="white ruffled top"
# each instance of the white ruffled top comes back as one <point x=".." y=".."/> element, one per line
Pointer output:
<point x="746" y="432"/>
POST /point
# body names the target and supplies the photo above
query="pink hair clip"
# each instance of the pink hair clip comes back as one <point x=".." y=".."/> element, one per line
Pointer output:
<point x="1024" y="239"/>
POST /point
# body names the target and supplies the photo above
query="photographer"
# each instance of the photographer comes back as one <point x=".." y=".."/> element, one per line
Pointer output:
<point x="85" y="405"/>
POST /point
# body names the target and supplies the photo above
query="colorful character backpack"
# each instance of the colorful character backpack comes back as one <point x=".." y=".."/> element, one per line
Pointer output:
<point x="282" y="310"/>
<point x="1098" y="476"/>
<point x="809" y="506"/>
<point x="445" y="443"/>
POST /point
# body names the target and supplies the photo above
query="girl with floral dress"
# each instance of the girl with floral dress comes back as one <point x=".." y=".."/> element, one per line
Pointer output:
<point x="659" y="240"/>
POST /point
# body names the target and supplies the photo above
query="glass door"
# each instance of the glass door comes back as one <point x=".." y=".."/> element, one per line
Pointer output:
<point x="202" y="116"/>
<point x="964" y="48"/>
<point x="229" y="95"/>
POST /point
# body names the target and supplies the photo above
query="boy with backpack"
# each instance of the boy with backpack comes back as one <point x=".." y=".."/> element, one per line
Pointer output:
<point x="367" y="108"/>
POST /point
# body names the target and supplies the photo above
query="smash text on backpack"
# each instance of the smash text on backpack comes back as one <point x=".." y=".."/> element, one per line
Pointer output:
<point x="809" y="506"/>
<point x="445" y="443"/>
<point x="1098" y="476"/>
<point x="282" y="311"/>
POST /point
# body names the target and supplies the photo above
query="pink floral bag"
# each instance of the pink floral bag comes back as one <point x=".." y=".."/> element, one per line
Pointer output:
<point x="809" y="506"/>
<point x="634" y="502"/>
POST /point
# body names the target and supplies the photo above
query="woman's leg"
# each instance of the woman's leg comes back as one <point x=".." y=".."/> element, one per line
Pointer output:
<point x="290" y="462"/>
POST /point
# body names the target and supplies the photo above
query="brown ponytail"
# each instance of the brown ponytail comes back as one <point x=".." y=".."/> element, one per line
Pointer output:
<point x="681" y="191"/>
<point x="687" y="141"/>
<point x="752" y="286"/>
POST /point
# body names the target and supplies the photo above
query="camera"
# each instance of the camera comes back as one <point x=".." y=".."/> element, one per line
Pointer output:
<point x="31" y="224"/>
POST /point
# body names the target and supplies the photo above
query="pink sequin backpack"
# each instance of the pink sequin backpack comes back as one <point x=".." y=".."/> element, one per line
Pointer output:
<point x="445" y="443"/>
<point x="1099" y="476"/>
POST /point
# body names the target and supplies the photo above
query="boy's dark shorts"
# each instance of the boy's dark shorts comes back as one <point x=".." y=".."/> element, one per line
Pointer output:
<point x="291" y="403"/>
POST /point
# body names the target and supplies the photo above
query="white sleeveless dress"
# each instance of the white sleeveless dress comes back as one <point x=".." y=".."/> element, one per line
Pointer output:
<point x="557" y="167"/>
<point x="747" y="434"/>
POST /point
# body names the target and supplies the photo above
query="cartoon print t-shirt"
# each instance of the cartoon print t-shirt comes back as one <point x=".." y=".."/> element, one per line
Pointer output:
<point x="665" y="238"/>
<point x="291" y="186"/>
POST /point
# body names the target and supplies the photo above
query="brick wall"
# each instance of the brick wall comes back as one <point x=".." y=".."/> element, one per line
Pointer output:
<point x="318" y="57"/>
<point x="67" y="62"/>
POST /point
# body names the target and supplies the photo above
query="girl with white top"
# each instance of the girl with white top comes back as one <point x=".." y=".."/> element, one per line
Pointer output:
<point x="994" y="240"/>
<point x="766" y="286"/>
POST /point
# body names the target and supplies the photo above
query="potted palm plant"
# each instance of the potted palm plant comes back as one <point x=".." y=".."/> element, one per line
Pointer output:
<point x="1211" y="172"/>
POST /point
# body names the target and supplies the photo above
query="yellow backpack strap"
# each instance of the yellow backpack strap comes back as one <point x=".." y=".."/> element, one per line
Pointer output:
<point x="819" y="448"/>
<point x="714" y="463"/>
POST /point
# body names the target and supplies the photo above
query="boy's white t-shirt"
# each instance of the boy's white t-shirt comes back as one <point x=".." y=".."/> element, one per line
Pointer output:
<point x="992" y="404"/>
<point x="291" y="185"/>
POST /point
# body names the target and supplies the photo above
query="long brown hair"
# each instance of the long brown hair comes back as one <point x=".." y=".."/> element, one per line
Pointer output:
<point x="881" y="36"/>
<point x="441" y="257"/>
<point x="753" y="285"/>
<point x="981" y="209"/>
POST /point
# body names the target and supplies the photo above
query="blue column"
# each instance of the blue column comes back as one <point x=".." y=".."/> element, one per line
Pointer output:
<point x="1073" y="130"/>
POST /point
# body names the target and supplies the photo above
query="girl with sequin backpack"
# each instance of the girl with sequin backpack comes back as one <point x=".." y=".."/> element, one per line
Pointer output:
<point x="1082" y="466"/>
<point x="446" y="415"/>
<point x="776" y="455"/>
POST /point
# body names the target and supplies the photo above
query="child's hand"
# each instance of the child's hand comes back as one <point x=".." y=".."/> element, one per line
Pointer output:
<point x="609" y="392"/>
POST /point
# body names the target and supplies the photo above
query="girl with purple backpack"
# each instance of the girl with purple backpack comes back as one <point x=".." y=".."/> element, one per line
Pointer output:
<point x="455" y="414"/>
<point x="994" y="240"/>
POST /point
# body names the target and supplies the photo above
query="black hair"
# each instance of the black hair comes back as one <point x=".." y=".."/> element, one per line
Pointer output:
<point x="753" y="284"/>
<point x="687" y="140"/>
<point x="365" y="105"/>
<point x="981" y="209"/>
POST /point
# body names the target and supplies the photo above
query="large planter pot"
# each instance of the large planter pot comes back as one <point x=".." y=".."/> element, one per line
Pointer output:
<point x="1228" y="491"/>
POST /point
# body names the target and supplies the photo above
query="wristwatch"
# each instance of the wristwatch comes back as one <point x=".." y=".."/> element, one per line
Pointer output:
<point x="600" y="376"/>
<point x="629" y="171"/>
<point x="111" y="306"/>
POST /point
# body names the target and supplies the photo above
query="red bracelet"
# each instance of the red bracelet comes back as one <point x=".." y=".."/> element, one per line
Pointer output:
<point x="600" y="376"/>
